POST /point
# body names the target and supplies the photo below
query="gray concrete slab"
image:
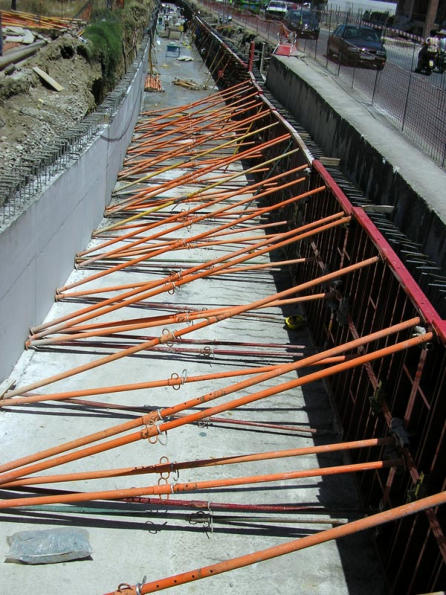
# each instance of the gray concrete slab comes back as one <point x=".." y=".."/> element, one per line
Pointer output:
<point x="126" y="549"/>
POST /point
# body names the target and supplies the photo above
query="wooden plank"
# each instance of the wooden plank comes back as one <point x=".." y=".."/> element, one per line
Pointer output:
<point x="47" y="78"/>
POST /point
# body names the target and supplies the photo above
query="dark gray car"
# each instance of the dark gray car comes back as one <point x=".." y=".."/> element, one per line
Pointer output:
<point x="356" y="44"/>
<point x="303" y="22"/>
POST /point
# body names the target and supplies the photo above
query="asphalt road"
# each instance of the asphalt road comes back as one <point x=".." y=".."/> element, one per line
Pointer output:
<point x="415" y="103"/>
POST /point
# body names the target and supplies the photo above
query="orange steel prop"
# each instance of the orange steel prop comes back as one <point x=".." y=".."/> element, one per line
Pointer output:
<point x="151" y="192"/>
<point x="187" y="278"/>
<point x="177" y="466"/>
<point x="214" y="98"/>
<point x="176" y="381"/>
<point x="191" y="121"/>
<point x="351" y="528"/>
<point x="253" y="267"/>
<point x="152" y="417"/>
<point x="186" y="316"/>
<point x="193" y="486"/>
<point x="195" y="161"/>
<point x="209" y="101"/>
<point x="256" y="213"/>
<point x="174" y="244"/>
<point x="207" y="194"/>
<point x="202" y="270"/>
<point x="232" y="232"/>
<point x="152" y="124"/>
<point x="166" y="337"/>
<point x="191" y="176"/>
<point x="186" y="214"/>
<point x="228" y="130"/>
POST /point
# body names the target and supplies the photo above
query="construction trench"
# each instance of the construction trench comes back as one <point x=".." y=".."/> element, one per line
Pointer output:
<point x="239" y="367"/>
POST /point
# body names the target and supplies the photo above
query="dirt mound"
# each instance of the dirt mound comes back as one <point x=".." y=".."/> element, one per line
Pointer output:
<point x="31" y="112"/>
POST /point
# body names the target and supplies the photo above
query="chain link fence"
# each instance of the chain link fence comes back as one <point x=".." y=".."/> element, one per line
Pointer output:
<point x="414" y="103"/>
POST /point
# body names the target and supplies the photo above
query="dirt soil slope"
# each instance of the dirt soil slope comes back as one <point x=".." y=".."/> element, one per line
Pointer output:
<point x="31" y="112"/>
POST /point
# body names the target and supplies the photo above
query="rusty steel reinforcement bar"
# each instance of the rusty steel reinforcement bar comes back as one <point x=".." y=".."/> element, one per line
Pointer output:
<point x="351" y="528"/>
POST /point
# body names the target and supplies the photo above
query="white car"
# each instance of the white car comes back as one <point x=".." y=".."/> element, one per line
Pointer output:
<point x="276" y="9"/>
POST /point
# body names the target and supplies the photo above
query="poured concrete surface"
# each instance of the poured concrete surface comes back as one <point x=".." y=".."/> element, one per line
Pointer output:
<point x="164" y="542"/>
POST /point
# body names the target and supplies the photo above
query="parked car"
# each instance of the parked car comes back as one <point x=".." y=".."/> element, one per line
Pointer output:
<point x="304" y="22"/>
<point x="376" y="18"/>
<point x="356" y="44"/>
<point x="276" y="9"/>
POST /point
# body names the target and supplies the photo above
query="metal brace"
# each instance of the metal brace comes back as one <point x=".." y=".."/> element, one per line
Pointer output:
<point x="178" y="380"/>
<point x="377" y="398"/>
<point x="139" y="585"/>
<point x="167" y="337"/>
<point x="205" y="519"/>
<point x="417" y="490"/>
<point x="399" y="431"/>
<point x="207" y="351"/>
<point x="153" y="439"/>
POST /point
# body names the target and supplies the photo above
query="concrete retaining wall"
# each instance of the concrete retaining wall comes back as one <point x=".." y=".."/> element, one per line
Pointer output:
<point x="39" y="247"/>
<point x="387" y="168"/>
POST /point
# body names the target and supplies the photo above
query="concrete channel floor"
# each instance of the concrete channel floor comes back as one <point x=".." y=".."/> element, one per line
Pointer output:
<point x="131" y="549"/>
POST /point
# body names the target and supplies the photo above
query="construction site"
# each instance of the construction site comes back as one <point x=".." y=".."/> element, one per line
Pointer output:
<point x="223" y="360"/>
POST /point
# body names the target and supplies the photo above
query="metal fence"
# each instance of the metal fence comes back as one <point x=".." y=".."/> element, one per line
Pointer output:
<point x="414" y="103"/>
